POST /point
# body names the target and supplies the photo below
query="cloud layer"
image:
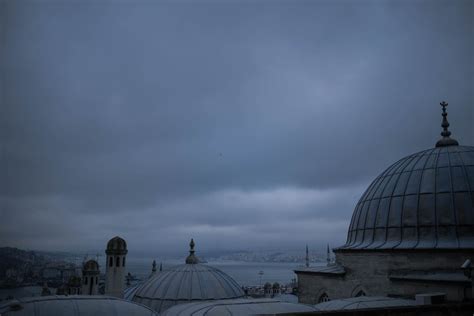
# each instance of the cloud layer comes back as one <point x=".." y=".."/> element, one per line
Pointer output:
<point x="236" y="123"/>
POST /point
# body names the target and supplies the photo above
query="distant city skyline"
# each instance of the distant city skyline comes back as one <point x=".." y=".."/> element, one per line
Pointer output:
<point x="242" y="125"/>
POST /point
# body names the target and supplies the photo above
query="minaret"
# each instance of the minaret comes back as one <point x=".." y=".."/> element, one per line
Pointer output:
<point x="161" y="266"/>
<point x="90" y="278"/>
<point x="328" y="258"/>
<point x="153" y="269"/>
<point x="115" y="267"/>
<point x="307" y="256"/>
<point x="446" y="140"/>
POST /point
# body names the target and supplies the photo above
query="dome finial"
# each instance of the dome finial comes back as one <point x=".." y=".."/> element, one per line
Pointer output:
<point x="191" y="259"/>
<point x="446" y="140"/>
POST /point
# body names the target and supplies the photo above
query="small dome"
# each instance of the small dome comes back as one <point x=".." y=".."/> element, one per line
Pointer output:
<point x="73" y="305"/>
<point x="91" y="265"/>
<point x="185" y="283"/>
<point x="116" y="245"/>
<point x="423" y="201"/>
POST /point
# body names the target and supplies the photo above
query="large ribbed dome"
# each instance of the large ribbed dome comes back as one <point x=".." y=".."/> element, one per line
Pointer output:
<point x="186" y="283"/>
<point x="425" y="200"/>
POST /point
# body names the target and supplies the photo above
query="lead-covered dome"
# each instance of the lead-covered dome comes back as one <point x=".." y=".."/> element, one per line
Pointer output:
<point x="423" y="201"/>
<point x="186" y="283"/>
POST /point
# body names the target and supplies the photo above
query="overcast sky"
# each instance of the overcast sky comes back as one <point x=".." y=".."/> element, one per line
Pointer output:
<point x="243" y="124"/>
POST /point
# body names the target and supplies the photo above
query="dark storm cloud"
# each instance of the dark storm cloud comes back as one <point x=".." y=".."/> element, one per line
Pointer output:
<point x="239" y="121"/>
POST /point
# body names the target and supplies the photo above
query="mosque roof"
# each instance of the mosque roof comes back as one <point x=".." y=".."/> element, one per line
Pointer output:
<point x="363" y="302"/>
<point x="130" y="291"/>
<point x="237" y="307"/>
<point x="330" y="269"/>
<point x="422" y="201"/>
<point x="76" y="305"/>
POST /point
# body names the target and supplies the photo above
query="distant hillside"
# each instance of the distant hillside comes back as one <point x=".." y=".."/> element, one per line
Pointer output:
<point x="14" y="258"/>
<point x="270" y="256"/>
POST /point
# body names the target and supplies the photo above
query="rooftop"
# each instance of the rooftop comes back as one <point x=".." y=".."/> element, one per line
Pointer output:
<point x="363" y="302"/>
<point x="334" y="269"/>
<point x="73" y="305"/>
<point x="238" y="307"/>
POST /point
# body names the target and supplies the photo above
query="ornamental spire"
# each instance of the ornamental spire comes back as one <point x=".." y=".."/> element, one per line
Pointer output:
<point x="153" y="267"/>
<point x="446" y="140"/>
<point x="191" y="259"/>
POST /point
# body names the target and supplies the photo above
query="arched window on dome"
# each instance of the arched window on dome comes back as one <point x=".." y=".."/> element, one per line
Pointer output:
<point x="123" y="262"/>
<point x="360" y="293"/>
<point x="111" y="262"/>
<point x="117" y="262"/>
<point x="323" y="298"/>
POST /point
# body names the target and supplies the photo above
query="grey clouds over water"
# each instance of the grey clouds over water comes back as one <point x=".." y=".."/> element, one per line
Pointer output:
<point x="242" y="124"/>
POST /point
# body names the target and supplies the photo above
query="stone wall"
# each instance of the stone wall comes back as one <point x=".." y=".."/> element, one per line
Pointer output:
<point x="311" y="287"/>
<point x="368" y="271"/>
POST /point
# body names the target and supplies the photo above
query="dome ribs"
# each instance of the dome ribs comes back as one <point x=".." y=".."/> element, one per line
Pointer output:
<point x="187" y="283"/>
<point x="453" y="202"/>
<point x="470" y="189"/>
<point x="402" y="213"/>
<point x="418" y="199"/>
<point x="388" y="176"/>
<point x="423" y="201"/>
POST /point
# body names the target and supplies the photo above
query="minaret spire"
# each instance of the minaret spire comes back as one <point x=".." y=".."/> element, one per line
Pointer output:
<point x="446" y="140"/>
<point x="307" y="256"/>
<point x="328" y="258"/>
